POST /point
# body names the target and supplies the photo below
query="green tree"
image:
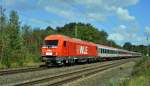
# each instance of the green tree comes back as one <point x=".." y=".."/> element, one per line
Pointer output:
<point x="2" y="23"/>
<point x="15" y="39"/>
<point x="128" y="46"/>
<point x="4" y="40"/>
<point x="113" y="44"/>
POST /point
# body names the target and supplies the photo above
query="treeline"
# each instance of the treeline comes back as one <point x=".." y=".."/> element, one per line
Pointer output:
<point x="20" y="44"/>
<point x="145" y="50"/>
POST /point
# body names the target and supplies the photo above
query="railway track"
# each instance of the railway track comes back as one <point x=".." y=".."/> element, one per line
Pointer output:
<point x="70" y="76"/>
<point x="20" y="70"/>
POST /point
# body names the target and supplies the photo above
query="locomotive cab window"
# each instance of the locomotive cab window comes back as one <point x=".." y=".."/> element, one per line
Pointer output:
<point x="51" y="42"/>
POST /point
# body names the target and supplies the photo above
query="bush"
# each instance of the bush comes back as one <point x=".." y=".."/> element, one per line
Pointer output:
<point x="140" y="75"/>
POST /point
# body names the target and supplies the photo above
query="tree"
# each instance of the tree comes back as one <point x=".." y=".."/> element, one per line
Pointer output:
<point x="128" y="46"/>
<point x="113" y="44"/>
<point x="67" y="29"/>
<point x="3" y="37"/>
<point x="2" y="22"/>
<point x="15" y="39"/>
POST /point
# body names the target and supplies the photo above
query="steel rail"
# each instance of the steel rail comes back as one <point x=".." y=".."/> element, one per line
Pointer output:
<point x="22" y="70"/>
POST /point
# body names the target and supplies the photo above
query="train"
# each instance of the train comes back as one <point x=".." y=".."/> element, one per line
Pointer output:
<point x="59" y="49"/>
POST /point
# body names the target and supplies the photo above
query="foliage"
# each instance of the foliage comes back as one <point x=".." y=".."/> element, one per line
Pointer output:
<point x="137" y="48"/>
<point x="140" y="75"/>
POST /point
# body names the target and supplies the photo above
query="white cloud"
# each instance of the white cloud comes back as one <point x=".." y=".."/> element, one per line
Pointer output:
<point x="116" y="36"/>
<point x="60" y="11"/>
<point x="122" y="34"/>
<point x="123" y="26"/>
<point x="89" y="9"/>
<point x="123" y="14"/>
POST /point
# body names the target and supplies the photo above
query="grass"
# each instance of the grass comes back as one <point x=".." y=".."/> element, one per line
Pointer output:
<point x="25" y="63"/>
<point x="140" y="75"/>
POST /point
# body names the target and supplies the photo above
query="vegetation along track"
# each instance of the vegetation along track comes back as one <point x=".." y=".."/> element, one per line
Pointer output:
<point x="70" y="76"/>
<point x="20" y="70"/>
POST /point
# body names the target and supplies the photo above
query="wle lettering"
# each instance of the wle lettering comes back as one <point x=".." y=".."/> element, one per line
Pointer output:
<point x="82" y="49"/>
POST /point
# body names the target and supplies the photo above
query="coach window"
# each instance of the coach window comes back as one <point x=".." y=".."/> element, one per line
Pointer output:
<point x="64" y="44"/>
<point x="101" y="50"/>
<point x="115" y="52"/>
<point x="105" y="51"/>
<point x="110" y="52"/>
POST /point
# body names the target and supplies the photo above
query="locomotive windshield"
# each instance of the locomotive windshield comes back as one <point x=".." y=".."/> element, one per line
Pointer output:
<point x="51" y="42"/>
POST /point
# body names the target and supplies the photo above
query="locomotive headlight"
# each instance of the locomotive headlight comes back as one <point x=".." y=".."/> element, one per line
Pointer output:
<point x="49" y="53"/>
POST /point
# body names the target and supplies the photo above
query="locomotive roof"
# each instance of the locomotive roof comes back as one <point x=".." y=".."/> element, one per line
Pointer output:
<point x="59" y="36"/>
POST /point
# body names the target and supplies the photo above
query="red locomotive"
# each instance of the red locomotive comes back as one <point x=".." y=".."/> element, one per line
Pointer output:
<point x="61" y="50"/>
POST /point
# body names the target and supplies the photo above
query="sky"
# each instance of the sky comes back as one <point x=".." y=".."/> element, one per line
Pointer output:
<point x="123" y="20"/>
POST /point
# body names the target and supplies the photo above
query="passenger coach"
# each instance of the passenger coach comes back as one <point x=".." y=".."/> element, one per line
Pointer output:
<point x="106" y="52"/>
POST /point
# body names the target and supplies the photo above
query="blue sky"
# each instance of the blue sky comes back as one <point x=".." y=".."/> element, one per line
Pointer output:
<point x="123" y="20"/>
